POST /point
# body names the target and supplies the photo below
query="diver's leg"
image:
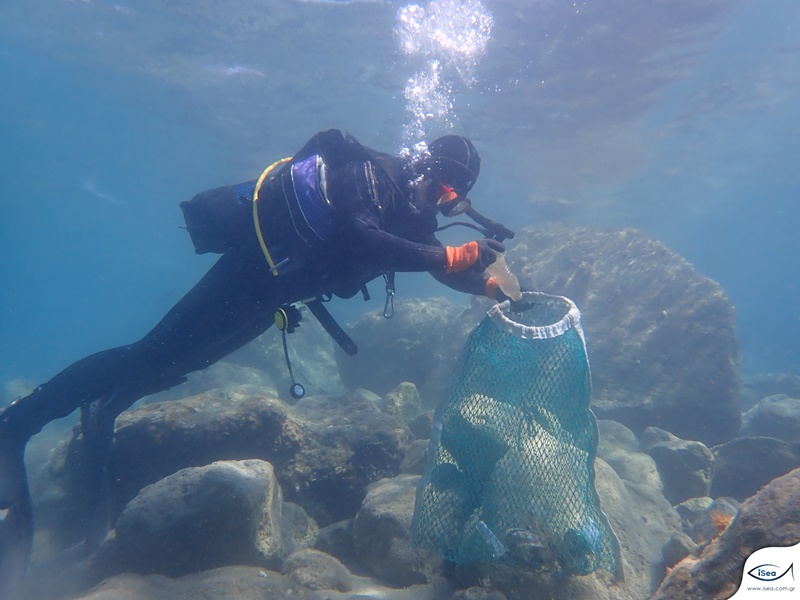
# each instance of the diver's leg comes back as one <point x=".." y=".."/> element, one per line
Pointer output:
<point x="219" y="315"/>
<point x="230" y="306"/>
<point x="16" y="523"/>
<point x="97" y="439"/>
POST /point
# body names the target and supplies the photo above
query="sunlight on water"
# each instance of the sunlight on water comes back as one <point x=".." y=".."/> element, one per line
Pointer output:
<point x="445" y="40"/>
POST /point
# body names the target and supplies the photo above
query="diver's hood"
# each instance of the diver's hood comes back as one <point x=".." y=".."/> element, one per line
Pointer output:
<point x="454" y="161"/>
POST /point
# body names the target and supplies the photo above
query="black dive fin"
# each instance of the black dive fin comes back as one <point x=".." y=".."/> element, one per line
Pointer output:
<point x="16" y="518"/>
<point x="97" y="427"/>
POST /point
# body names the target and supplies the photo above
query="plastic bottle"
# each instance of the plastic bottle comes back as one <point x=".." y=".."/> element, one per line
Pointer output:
<point x="508" y="282"/>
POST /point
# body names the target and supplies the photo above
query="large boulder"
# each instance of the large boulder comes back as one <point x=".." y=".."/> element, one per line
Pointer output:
<point x="239" y="582"/>
<point x="661" y="337"/>
<point x="402" y="402"/>
<point x="381" y="533"/>
<point x="776" y="416"/>
<point x="619" y="447"/>
<point x="685" y="466"/>
<point x="758" y="386"/>
<point x="770" y="518"/>
<point x="644" y="521"/>
<point x="303" y="581"/>
<point x="225" y="513"/>
<point x="713" y="520"/>
<point x="421" y="344"/>
<point x="745" y="464"/>
<point x="317" y="570"/>
<point x="691" y="510"/>
<point x="325" y="450"/>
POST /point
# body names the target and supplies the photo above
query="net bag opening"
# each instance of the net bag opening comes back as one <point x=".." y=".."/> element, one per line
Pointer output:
<point x="510" y="472"/>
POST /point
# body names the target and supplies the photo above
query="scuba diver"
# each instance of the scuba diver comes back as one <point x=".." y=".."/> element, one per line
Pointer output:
<point x="324" y="222"/>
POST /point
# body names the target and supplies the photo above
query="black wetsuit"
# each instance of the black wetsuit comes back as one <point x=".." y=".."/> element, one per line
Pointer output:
<point x="367" y="224"/>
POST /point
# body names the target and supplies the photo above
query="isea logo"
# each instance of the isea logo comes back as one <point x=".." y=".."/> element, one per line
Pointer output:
<point x="769" y="572"/>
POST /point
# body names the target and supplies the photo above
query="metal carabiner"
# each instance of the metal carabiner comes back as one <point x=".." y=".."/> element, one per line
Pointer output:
<point x="388" y="306"/>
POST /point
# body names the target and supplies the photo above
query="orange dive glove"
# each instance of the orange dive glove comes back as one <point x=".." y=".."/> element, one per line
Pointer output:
<point x="482" y="253"/>
<point x="460" y="258"/>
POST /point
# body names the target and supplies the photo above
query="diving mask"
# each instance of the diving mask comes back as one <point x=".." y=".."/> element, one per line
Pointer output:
<point x="450" y="203"/>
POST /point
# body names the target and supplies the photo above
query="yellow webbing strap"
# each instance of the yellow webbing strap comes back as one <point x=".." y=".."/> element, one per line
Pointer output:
<point x="257" y="224"/>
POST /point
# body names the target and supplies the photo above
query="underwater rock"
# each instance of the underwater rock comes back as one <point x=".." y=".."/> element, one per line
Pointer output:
<point x="745" y="464"/>
<point x="242" y="583"/>
<point x="381" y="533"/>
<point x="402" y="402"/>
<point x="325" y="450"/>
<point x="677" y="548"/>
<point x="776" y="416"/>
<point x="713" y="520"/>
<point x="655" y="435"/>
<point x="478" y="593"/>
<point x="770" y="518"/>
<point x="685" y="466"/>
<point x="615" y="437"/>
<point x="619" y="447"/>
<point x="641" y="517"/>
<point x="644" y="522"/>
<point x="420" y="344"/>
<point x="310" y="351"/>
<point x="661" y="337"/>
<point x="365" y="395"/>
<point x="416" y="455"/>
<point x="422" y="425"/>
<point x="635" y="467"/>
<point x="690" y="510"/>
<point x="301" y="529"/>
<point x="220" y="375"/>
<point x="759" y="386"/>
<point x="336" y="539"/>
<point x="317" y="571"/>
<point x="347" y="444"/>
<point x="225" y="513"/>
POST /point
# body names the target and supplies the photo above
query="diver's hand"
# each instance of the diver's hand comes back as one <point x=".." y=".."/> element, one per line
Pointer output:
<point x="479" y="254"/>
<point x="516" y="306"/>
<point x="16" y="517"/>
<point x="488" y="249"/>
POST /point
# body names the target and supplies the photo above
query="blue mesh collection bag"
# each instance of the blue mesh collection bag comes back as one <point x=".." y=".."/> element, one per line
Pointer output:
<point x="510" y="473"/>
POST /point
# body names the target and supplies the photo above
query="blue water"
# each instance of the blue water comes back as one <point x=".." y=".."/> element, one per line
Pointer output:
<point x="92" y="247"/>
<point x="110" y="115"/>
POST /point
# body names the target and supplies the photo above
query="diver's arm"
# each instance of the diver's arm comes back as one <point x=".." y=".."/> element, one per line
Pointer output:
<point x="470" y="281"/>
<point x="394" y="253"/>
<point x="390" y="252"/>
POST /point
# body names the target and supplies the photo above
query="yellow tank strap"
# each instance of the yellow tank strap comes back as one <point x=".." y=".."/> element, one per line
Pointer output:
<point x="256" y="222"/>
